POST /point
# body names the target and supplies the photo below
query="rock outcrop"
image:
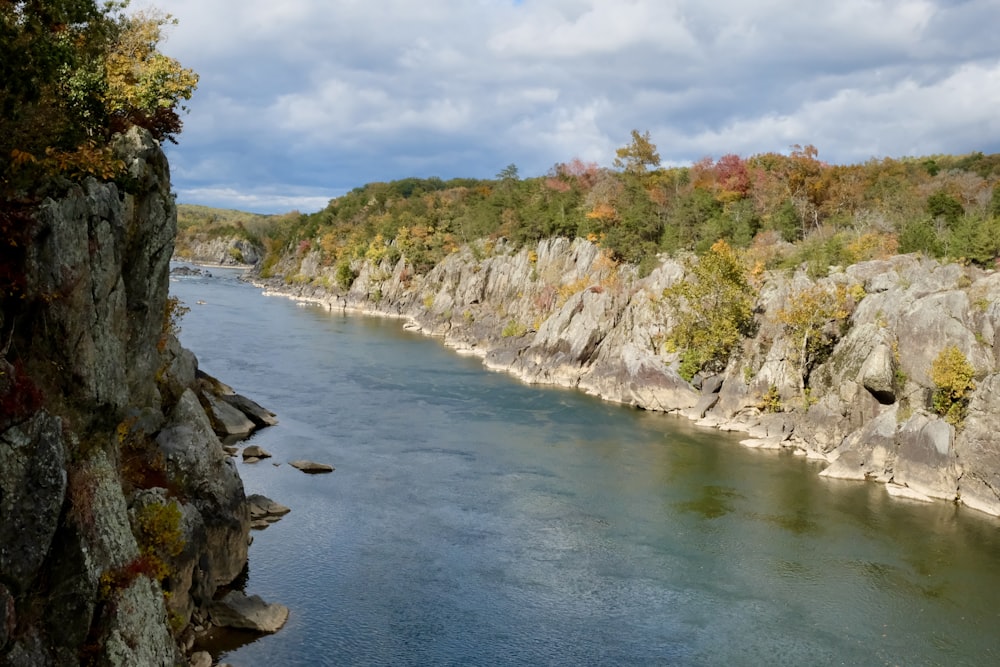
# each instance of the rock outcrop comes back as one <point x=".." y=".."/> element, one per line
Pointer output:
<point x="219" y="251"/>
<point x="563" y="313"/>
<point x="237" y="610"/>
<point x="120" y="514"/>
<point x="311" y="467"/>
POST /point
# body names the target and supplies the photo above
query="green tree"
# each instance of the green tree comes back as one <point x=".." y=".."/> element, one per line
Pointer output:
<point x="712" y="309"/>
<point x="943" y="205"/>
<point x="919" y="236"/>
<point x="508" y="173"/>
<point x="638" y="156"/>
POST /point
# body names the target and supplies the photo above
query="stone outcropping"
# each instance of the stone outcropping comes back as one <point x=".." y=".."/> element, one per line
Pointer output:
<point x="219" y="251"/>
<point x="563" y="313"/>
<point x="237" y="610"/>
<point x="120" y="514"/>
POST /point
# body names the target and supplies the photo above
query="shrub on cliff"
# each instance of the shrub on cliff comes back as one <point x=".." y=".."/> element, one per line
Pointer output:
<point x="345" y="275"/>
<point x="814" y="319"/>
<point x="712" y="309"/>
<point x="952" y="375"/>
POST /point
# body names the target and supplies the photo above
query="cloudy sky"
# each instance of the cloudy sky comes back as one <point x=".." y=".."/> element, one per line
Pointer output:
<point x="302" y="100"/>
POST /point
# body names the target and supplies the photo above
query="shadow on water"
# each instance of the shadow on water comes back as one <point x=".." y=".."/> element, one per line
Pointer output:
<point x="711" y="503"/>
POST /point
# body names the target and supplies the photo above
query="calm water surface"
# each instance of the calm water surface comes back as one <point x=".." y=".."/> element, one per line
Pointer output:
<point x="473" y="520"/>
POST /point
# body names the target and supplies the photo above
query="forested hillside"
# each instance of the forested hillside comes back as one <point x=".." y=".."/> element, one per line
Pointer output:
<point x="788" y="209"/>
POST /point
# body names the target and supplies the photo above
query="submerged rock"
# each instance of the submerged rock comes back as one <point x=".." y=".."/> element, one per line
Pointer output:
<point x="237" y="610"/>
<point x="264" y="511"/>
<point x="311" y="466"/>
<point x="257" y="452"/>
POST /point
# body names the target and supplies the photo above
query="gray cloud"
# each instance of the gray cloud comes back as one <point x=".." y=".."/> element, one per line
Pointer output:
<point x="303" y="100"/>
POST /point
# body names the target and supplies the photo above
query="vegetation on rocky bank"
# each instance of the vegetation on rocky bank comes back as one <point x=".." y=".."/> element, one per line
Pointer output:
<point x="770" y="295"/>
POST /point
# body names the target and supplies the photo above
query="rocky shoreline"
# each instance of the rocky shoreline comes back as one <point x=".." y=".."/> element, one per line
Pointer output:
<point x="562" y="314"/>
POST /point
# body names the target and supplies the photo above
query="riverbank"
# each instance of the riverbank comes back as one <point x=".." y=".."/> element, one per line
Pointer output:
<point x="562" y="314"/>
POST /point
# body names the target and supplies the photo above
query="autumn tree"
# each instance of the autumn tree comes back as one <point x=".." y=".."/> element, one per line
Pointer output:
<point x="814" y="319"/>
<point x="73" y="74"/>
<point x="952" y="375"/>
<point x="143" y="86"/>
<point x="638" y="156"/>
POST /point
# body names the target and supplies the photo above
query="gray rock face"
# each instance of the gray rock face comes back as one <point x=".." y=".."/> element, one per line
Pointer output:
<point x="925" y="459"/>
<point x="93" y="338"/>
<point x="978" y="450"/>
<point x="878" y="374"/>
<point x="232" y="251"/>
<point x="192" y="453"/>
<point x="138" y="628"/>
<point x="582" y="321"/>
<point x="106" y="255"/>
<point x="32" y="490"/>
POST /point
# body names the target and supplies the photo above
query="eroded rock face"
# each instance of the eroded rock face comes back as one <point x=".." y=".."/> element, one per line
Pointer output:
<point x="562" y="313"/>
<point x="925" y="458"/>
<point x="232" y="251"/>
<point x="192" y="453"/>
<point x="92" y="340"/>
<point x="978" y="449"/>
<point x="32" y="491"/>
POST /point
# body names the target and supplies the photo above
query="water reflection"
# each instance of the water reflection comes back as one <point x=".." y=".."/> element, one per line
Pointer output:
<point x="712" y="502"/>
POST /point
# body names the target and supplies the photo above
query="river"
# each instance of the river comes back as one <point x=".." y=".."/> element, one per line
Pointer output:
<point x="474" y="520"/>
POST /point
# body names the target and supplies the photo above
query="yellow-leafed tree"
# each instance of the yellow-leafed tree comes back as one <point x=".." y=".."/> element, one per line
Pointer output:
<point x="144" y="86"/>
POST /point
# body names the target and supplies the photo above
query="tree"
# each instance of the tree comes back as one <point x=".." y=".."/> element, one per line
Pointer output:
<point x="813" y="320"/>
<point x="712" y="310"/>
<point x="943" y="205"/>
<point x="508" y="173"/>
<point x="143" y="86"/>
<point x="73" y="74"/>
<point x="638" y="155"/>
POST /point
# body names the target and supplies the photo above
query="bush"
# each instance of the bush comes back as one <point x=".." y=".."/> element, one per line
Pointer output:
<point x="771" y="401"/>
<point x="814" y="320"/>
<point x="514" y="329"/>
<point x="712" y="308"/>
<point x="345" y="275"/>
<point x="952" y="375"/>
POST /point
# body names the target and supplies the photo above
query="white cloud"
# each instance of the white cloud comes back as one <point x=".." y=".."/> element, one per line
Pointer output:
<point x="595" y="27"/>
<point x="256" y="201"/>
<point x="335" y="94"/>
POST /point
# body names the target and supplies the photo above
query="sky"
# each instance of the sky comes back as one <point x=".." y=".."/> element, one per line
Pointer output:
<point x="301" y="101"/>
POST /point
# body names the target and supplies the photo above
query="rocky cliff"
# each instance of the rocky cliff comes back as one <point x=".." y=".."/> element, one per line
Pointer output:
<point x="563" y="313"/>
<point x="218" y="250"/>
<point x="120" y="513"/>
